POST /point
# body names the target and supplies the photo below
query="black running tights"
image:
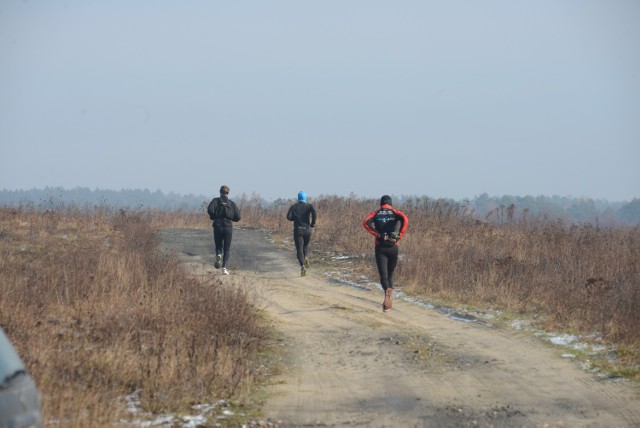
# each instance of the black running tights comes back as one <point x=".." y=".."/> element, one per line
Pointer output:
<point x="222" y="237"/>
<point x="302" y="237"/>
<point x="386" y="259"/>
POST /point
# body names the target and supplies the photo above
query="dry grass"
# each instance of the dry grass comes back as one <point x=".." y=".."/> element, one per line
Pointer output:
<point x="97" y="313"/>
<point x="583" y="279"/>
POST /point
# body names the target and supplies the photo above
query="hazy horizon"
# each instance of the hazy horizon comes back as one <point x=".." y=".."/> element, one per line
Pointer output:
<point x="448" y="100"/>
<point x="396" y="196"/>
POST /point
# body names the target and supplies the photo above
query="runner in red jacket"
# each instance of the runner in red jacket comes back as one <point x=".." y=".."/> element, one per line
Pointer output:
<point x="388" y="225"/>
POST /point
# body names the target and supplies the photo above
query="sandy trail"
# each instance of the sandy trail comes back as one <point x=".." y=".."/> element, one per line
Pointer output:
<point x="352" y="365"/>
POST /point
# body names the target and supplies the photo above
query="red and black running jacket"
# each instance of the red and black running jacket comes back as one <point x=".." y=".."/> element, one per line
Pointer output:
<point x="385" y="221"/>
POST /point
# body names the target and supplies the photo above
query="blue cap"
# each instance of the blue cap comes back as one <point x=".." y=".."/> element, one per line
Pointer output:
<point x="302" y="196"/>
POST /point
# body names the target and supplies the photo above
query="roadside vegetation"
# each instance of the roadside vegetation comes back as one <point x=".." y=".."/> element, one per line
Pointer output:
<point x="98" y="315"/>
<point x="577" y="278"/>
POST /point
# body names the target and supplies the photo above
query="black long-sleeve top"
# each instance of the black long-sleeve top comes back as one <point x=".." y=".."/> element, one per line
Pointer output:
<point x="302" y="214"/>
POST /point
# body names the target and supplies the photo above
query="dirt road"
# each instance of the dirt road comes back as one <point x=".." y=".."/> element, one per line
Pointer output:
<point x="352" y="365"/>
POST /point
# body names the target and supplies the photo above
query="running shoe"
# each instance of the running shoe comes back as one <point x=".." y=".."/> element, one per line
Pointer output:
<point x="225" y="271"/>
<point x="217" y="263"/>
<point x="303" y="271"/>
<point x="384" y="308"/>
<point x="306" y="262"/>
<point x="388" y="304"/>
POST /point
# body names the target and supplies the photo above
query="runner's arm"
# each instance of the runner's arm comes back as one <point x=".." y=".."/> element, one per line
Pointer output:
<point x="405" y="223"/>
<point x="236" y="212"/>
<point x="368" y="224"/>
<point x="211" y="209"/>
<point x="313" y="216"/>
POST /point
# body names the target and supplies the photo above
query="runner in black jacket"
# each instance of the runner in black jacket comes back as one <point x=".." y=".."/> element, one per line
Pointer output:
<point x="224" y="212"/>
<point x="303" y="216"/>
<point x="388" y="225"/>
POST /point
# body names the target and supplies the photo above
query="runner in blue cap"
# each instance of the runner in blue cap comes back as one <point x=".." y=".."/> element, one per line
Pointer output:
<point x="303" y="216"/>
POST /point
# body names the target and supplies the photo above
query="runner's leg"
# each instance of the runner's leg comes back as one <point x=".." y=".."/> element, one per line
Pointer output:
<point x="228" y="234"/>
<point x="299" y="241"/>
<point x="392" y="261"/>
<point x="381" y="262"/>
<point x="306" y="236"/>
<point x="217" y="239"/>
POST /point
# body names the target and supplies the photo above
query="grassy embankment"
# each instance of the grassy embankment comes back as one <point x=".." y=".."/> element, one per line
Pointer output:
<point x="581" y="279"/>
<point x="97" y="313"/>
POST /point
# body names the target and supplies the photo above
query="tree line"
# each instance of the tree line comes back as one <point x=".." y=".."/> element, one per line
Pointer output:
<point x="500" y="209"/>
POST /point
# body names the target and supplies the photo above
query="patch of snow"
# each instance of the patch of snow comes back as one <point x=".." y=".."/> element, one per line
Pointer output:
<point x="520" y="324"/>
<point x="563" y="339"/>
<point x="194" y="421"/>
<point x="484" y="315"/>
<point x="574" y="342"/>
<point x="462" y="317"/>
<point x="145" y="419"/>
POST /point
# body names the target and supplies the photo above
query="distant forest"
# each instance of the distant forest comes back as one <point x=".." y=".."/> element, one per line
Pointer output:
<point x="496" y="209"/>
<point x="128" y="199"/>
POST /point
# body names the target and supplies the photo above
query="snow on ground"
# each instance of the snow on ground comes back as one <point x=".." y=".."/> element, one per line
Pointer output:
<point x="589" y="344"/>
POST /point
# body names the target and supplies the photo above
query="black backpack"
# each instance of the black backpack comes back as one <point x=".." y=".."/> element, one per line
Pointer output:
<point x="224" y="210"/>
<point x="386" y="224"/>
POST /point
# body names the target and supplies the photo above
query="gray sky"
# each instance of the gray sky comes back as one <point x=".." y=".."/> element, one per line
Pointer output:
<point x="439" y="98"/>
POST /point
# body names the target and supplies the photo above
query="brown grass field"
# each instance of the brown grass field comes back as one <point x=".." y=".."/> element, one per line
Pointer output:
<point x="97" y="313"/>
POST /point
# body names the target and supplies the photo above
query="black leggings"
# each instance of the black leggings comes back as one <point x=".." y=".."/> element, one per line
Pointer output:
<point x="222" y="237"/>
<point x="386" y="259"/>
<point x="302" y="237"/>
